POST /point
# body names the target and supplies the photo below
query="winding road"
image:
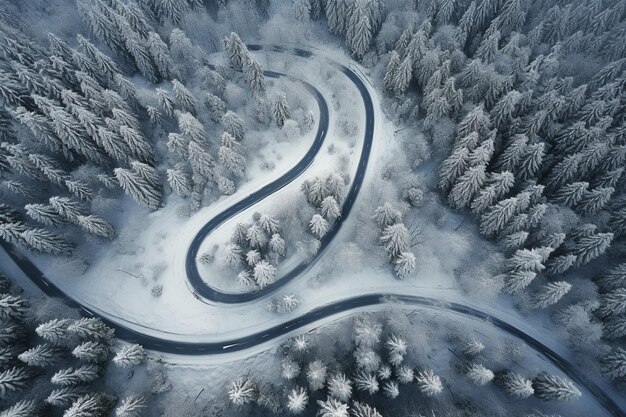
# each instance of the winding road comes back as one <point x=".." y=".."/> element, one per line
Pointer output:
<point x="170" y="345"/>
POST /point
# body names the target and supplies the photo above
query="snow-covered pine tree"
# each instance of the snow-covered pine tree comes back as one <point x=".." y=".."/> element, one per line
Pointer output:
<point x="190" y="126"/>
<point x="467" y="186"/>
<point x="254" y="75"/>
<point x="319" y="225"/>
<point x="96" y="226"/>
<point x="554" y="388"/>
<point x="590" y="247"/>
<point x="64" y="397"/>
<point x="366" y="382"/>
<point x="45" y="241"/>
<point x="165" y="101"/>
<point x="391" y="389"/>
<point x="184" y="98"/>
<point x="132" y="406"/>
<point x="340" y="387"/>
<point x="129" y="356"/>
<point x="242" y="391"/>
<point x="517" y="386"/>
<point x="428" y="383"/>
<point x="42" y="355"/>
<point x="76" y="376"/>
<point x="138" y="188"/>
<point x="14" y="380"/>
<point x="316" y="375"/>
<point x="236" y="51"/>
<point x="550" y="294"/>
<point x="264" y="273"/>
<point x="396" y="239"/>
<point x="96" y="404"/>
<point x="23" y="408"/>
<point x="332" y="407"/>
<point x="92" y="352"/>
<point x="280" y="108"/>
<point x="479" y="374"/>
<point x="160" y="56"/>
<point x="179" y="182"/>
<point x="54" y="331"/>
<point x="297" y="400"/>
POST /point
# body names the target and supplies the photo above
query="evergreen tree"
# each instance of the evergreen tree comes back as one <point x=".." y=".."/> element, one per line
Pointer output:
<point x="23" y="408"/>
<point x="242" y="391"/>
<point x="613" y="278"/>
<point x="129" y="356"/>
<point x="91" y="352"/>
<point x="54" y="331"/>
<point x="254" y="75"/>
<point x="340" y="387"/>
<point x="280" y="109"/>
<point x="96" y="226"/>
<point x="160" y="56"/>
<point x="179" y="181"/>
<point x="550" y="294"/>
<point x="404" y="264"/>
<point x="43" y="355"/>
<point x="44" y="241"/>
<point x="554" y="388"/>
<point x="396" y="239"/>
<point x="185" y="99"/>
<point x="13" y="380"/>
<point x="64" y="397"/>
<point x="236" y="51"/>
<point x="165" y="101"/>
<point x="319" y="226"/>
<point x="233" y="125"/>
<point x="453" y="167"/>
<point x="594" y="200"/>
<point x="138" y="188"/>
<point x="479" y="374"/>
<point x="590" y="247"/>
<point x="264" y="273"/>
<point x="132" y="406"/>
<point x="190" y="127"/>
<point x="467" y="187"/>
<point x="316" y="375"/>
<point x="97" y="404"/>
<point x="517" y="386"/>
<point x="391" y="389"/>
<point x="428" y="383"/>
<point x="72" y="377"/>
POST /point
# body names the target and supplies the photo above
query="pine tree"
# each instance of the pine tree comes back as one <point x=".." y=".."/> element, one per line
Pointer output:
<point x="23" y="408"/>
<point x="44" y="241"/>
<point x="428" y="383"/>
<point x="595" y="200"/>
<point x="494" y="219"/>
<point x="473" y="347"/>
<point x="360" y="29"/>
<point x="554" y="388"/>
<point x="366" y="382"/>
<point x="138" y="188"/>
<point x="254" y="75"/>
<point x="510" y="159"/>
<point x="160" y="56"/>
<point x="96" y="226"/>
<point x="527" y="260"/>
<point x="236" y="51"/>
<point x="467" y="186"/>
<point x="395" y="239"/>
<point x="613" y="278"/>
<point x="13" y="307"/>
<point x="590" y="247"/>
<point x="391" y="389"/>
<point x="242" y="391"/>
<point x="389" y="79"/>
<point x="515" y="240"/>
<point x="571" y="194"/>
<point x="54" y="331"/>
<point x="297" y="400"/>
<point x="132" y="406"/>
<point x="71" y="377"/>
<point x="66" y="207"/>
<point x="91" y="352"/>
<point x="613" y="303"/>
<point x="316" y="375"/>
<point x="550" y="294"/>
<point x="90" y="328"/>
<point x="319" y="226"/>
<point x="453" y="167"/>
<point x="233" y="125"/>
<point x="190" y="127"/>
<point x="129" y="356"/>
<point x="13" y="380"/>
<point x="340" y="387"/>
<point x="185" y="99"/>
<point x="179" y="181"/>
<point x="530" y="161"/>
<point x="280" y="108"/>
<point x="386" y="215"/>
<point x="97" y="404"/>
<point x="43" y="355"/>
<point x="201" y="161"/>
<point x="364" y="410"/>
<point x="264" y="273"/>
<point x="64" y="397"/>
<point x="232" y="160"/>
<point x="518" y="280"/>
<point x="517" y="386"/>
<point x="332" y="408"/>
<point x="165" y="101"/>
<point x="404" y="264"/>
<point x="479" y="374"/>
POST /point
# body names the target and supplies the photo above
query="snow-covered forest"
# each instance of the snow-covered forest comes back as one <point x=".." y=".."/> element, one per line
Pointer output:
<point x="312" y="207"/>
